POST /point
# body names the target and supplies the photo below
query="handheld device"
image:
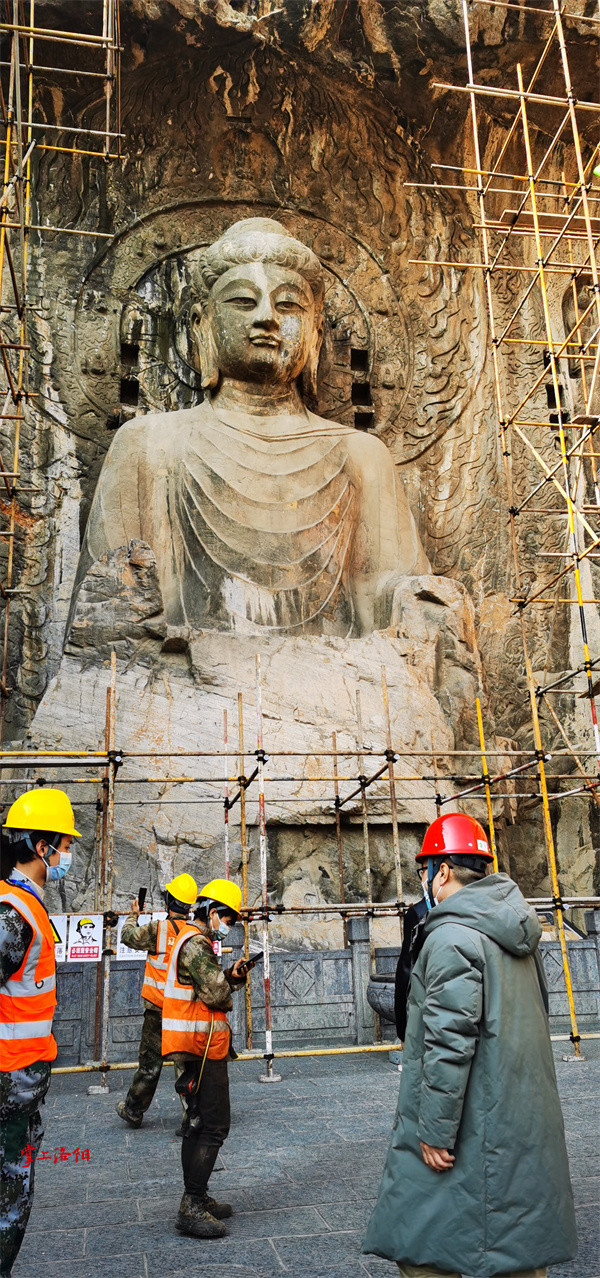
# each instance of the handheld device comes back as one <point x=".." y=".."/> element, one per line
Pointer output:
<point x="251" y="962"/>
<point x="142" y="898"/>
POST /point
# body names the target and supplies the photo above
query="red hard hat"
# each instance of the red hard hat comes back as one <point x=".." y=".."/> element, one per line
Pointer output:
<point x="456" y="834"/>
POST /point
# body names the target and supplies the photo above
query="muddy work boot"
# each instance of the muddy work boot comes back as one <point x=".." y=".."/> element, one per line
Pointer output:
<point x="220" y="1211"/>
<point x="196" y="1219"/>
<point x="127" y="1117"/>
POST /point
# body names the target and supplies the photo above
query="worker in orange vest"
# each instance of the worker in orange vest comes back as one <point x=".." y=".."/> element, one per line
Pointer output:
<point x="195" y="1034"/>
<point x="37" y="837"/>
<point x="157" y="938"/>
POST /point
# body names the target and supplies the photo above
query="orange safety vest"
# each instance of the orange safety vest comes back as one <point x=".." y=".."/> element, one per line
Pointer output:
<point x="28" y="999"/>
<point x="188" y="1025"/>
<point x="155" y="971"/>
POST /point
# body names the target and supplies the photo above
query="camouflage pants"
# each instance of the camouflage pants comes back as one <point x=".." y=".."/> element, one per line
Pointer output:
<point x="150" y="1062"/>
<point x="21" y="1093"/>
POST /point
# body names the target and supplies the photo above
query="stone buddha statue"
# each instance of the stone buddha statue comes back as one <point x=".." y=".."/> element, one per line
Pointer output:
<point x="262" y="516"/>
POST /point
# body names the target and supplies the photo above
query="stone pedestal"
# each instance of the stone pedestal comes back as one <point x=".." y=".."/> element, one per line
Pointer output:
<point x="172" y="692"/>
<point x="358" y="939"/>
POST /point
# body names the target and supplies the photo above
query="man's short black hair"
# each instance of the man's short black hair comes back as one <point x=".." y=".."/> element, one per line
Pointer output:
<point x="20" y="845"/>
<point x="205" y="907"/>
<point x="466" y="869"/>
<point x="174" y="906"/>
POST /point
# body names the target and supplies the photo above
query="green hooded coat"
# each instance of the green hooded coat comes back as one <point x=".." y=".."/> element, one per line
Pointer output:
<point x="478" y="1079"/>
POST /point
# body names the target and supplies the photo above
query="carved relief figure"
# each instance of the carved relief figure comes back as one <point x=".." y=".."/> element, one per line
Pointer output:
<point x="261" y="515"/>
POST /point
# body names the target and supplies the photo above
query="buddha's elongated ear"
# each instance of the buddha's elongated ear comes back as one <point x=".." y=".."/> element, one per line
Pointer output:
<point x="310" y="370"/>
<point x="205" y="343"/>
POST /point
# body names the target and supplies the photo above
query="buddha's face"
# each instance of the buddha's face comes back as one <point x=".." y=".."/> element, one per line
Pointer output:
<point x="262" y="320"/>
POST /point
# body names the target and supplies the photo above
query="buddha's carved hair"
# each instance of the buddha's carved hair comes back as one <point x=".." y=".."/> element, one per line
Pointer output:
<point x="258" y="239"/>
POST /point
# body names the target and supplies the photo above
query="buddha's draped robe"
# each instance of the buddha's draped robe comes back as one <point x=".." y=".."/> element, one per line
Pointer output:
<point x="249" y="533"/>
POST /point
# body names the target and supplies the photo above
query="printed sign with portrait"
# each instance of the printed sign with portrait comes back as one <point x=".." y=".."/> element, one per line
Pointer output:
<point x="85" y="938"/>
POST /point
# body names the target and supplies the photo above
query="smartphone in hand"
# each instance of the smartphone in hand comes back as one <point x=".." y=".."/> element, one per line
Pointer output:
<point x="248" y="964"/>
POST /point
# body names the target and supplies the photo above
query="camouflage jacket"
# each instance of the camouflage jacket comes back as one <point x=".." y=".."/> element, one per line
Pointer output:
<point x="197" y="964"/>
<point x="15" y="933"/>
<point x="15" y="939"/>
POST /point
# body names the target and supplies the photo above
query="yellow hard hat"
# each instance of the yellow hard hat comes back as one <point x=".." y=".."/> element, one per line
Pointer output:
<point x="184" y="888"/>
<point x="42" y="809"/>
<point x="223" y="891"/>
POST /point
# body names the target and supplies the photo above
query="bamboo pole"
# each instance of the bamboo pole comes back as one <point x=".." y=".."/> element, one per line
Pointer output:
<point x="486" y="780"/>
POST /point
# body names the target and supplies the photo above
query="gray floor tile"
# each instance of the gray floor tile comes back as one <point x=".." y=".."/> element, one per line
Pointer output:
<point x="347" y="1215"/>
<point x="45" y="1247"/>
<point x="275" y="1223"/>
<point x="230" y="1254"/>
<point x="93" y="1214"/>
<point x="291" y="1194"/>
<point x="318" y="1252"/>
<point x="132" y="1266"/>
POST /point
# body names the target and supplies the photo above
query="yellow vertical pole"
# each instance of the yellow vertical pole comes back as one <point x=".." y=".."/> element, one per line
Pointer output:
<point x="486" y="780"/>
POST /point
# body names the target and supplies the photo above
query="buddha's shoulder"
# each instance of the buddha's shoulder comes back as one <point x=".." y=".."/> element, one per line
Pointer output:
<point x="363" y="447"/>
<point x="158" y="433"/>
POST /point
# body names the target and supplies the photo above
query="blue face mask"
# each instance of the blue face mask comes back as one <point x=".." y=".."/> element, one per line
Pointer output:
<point x="222" y="930"/>
<point x="56" y="872"/>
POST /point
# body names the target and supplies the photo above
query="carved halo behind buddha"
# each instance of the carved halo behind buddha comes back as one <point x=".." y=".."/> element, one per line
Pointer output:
<point x="261" y="515"/>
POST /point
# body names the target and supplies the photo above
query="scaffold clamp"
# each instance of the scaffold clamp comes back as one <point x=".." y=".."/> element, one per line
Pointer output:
<point x="116" y="758"/>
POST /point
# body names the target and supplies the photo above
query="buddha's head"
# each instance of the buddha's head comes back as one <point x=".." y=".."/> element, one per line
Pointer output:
<point x="259" y="316"/>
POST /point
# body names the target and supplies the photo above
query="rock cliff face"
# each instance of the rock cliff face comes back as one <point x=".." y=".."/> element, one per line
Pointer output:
<point x="323" y="116"/>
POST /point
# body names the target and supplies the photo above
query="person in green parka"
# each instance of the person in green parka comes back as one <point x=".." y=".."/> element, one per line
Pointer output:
<point x="477" y="1178"/>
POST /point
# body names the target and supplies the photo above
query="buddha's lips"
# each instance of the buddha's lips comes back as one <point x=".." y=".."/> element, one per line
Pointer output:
<point x="265" y="341"/>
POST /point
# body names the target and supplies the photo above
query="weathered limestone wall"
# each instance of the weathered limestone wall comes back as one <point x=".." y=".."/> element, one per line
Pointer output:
<point x="318" y="116"/>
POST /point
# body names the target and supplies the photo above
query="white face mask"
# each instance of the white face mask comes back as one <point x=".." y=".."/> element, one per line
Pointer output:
<point x="425" y="890"/>
<point x="56" y="872"/>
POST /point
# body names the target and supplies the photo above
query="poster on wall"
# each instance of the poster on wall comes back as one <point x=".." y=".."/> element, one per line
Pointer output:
<point x="59" y="927"/>
<point x="124" y="951"/>
<point x="85" y="938"/>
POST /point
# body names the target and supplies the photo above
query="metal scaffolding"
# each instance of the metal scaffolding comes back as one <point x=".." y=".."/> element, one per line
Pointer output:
<point x="367" y="782"/>
<point x="544" y="237"/>
<point x="25" y="135"/>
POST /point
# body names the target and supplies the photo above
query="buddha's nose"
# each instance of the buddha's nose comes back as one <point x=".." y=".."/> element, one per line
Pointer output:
<point x="265" y="315"/>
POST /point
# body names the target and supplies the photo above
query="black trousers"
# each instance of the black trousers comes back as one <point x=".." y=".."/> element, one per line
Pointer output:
<point x="210" y="1119"/>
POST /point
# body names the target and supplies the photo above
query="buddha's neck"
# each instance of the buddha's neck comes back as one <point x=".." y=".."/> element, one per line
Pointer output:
<point x="258" y="400"/>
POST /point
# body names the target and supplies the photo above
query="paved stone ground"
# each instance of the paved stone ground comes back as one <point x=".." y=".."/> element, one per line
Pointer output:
<point x="301" y="1167"/>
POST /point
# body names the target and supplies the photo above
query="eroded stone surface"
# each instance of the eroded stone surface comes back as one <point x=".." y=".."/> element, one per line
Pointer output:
<point x="174" y="685"/>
